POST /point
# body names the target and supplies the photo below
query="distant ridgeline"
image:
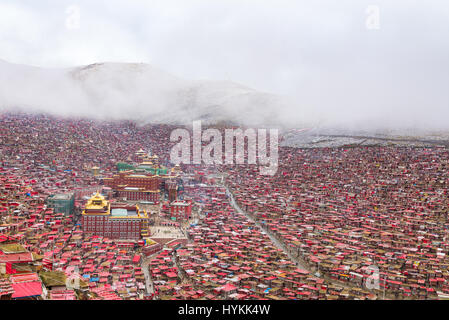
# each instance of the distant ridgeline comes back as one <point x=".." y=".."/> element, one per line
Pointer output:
<point x="122" y="166"/>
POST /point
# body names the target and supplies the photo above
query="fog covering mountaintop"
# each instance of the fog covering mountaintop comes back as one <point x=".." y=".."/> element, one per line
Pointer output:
<point x="144" y="93"/>
<point x="349" y="64"/>
<point x="133" y="91"/>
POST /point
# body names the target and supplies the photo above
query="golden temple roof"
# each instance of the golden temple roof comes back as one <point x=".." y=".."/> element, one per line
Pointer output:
<point x="97" y="202"/>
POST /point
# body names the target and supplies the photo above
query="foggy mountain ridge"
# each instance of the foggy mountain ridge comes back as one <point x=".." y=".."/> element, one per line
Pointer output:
<point x="147" y="94"/>
<point x="134" y="91"/>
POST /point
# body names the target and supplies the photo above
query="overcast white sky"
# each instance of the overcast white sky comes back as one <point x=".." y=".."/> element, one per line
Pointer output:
<point x="319" y="51"/>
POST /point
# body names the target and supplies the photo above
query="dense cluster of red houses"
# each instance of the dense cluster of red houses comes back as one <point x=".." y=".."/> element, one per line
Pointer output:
<point x="42" y="156"/>
<point x="229" y="257"/>
<point x="344" y="211"/>
<point x="315" y="230"/>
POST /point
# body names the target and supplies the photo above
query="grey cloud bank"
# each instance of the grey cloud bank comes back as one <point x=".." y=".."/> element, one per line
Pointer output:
<point x="316" y="59"/>
<point x="133" y="91"/>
